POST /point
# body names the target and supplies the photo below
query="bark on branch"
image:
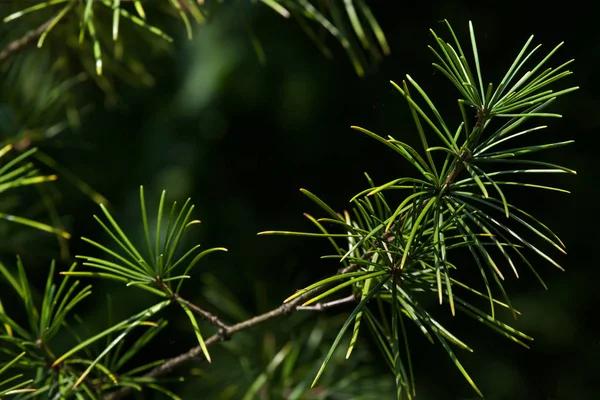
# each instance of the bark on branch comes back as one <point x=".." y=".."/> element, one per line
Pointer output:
<point x="19" y="44"/>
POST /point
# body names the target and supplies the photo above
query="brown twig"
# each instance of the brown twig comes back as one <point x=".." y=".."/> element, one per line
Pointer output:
<point x="24" y="41"/>
<point x="213" y="319"/>
<point x="325" y="306"/>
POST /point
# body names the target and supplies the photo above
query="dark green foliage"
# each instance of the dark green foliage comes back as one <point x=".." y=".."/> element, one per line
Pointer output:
<point x="18" y="172"/>
<point x="394" y="255"/>
<point x="95" y="44"/>
<point x="79" y="370"/>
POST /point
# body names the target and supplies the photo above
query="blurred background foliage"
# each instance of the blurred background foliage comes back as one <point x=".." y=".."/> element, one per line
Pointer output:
<point x="206" y="118"/>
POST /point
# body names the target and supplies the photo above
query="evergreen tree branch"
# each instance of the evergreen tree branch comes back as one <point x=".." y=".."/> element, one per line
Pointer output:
<point x="30" y="36"/>
<point x="225" y="332"/>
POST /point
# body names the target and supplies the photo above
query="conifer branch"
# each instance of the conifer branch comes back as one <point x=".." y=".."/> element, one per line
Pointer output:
<point x="225" y="332"/>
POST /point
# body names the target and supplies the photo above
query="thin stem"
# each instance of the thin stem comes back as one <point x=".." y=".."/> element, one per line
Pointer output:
<point x="30" y="36"/>
<point x="21" y="43"/>
<point x="325" y="306"/>
<point x="213" y="319"/>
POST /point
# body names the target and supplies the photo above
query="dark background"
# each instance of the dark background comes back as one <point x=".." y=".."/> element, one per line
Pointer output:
<point x="241" y="139"/>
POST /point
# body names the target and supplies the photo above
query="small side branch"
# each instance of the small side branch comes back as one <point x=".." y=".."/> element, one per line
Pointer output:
<point x="213" y="319"/>
<point x="325" y="306"/>
<point x="24" y="41"/>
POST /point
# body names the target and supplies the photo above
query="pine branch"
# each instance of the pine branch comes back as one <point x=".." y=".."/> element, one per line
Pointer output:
<point x="225" y="331"/>
<point x="30" y="36"/>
